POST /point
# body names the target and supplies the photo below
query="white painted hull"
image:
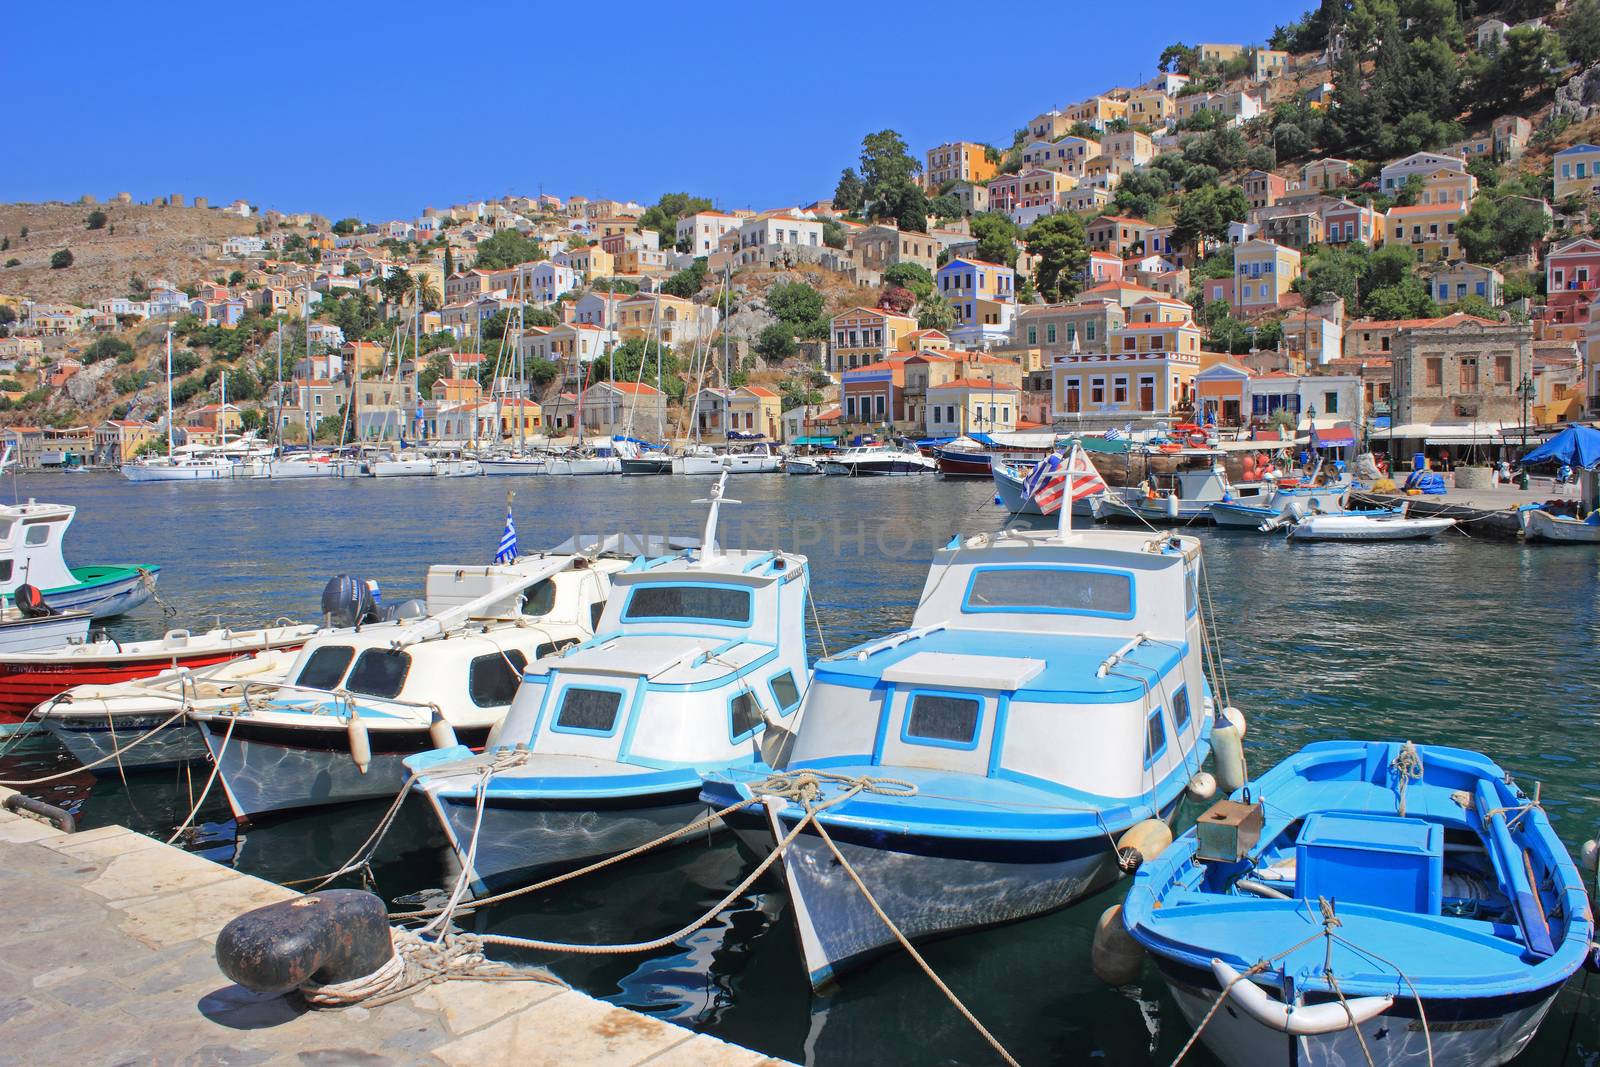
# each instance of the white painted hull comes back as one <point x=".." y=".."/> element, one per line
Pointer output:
<point x="896" y="466"/>
<point x="1239" y="1041"/>
<point x="1367" y="528"/>
<point x="583" y="466"/>
<point x="35" y="635"/>
<point x="735" y="464"/>
<point x="199" y="472"/>
<point x="291" y="469"/>
<point x="456" y="468"/>
<point x="1543" y="526"/>
<point x="512" y="466"/>
<point x="400" y="468"/>
<point x="263" y="777"/>
<point x="90" y="738"/>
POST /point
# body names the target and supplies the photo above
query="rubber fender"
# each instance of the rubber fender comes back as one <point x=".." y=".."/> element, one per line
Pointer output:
<point x="1148" y="838"/>
<point x="1227" y="752"/>
<point x="336" y="935"/>
<point x="1307" y="1020"/>
<point x="1202" y="787"/>
<point x="1116" y="958"/>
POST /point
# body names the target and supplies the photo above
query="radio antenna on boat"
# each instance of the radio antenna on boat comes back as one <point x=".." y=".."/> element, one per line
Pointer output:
<point x="708" y="543"/>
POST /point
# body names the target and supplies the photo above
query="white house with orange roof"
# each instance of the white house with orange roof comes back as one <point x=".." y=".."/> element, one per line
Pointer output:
<point x="699" y="233"/>
<point x="779" y="240"/>
<point x="632" y="408"/>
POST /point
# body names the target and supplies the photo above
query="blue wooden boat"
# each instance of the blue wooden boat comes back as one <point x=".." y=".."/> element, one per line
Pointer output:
<point x="1400" y="904"/>
<point x="1285" y="504"/>
<point x="1048" y="696"/>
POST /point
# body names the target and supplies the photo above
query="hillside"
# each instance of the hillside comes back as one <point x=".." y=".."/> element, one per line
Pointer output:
<point x="138" y="240"/>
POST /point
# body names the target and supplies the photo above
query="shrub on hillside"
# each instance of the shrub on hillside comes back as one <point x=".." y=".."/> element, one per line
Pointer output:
<point x="61" y="260"/>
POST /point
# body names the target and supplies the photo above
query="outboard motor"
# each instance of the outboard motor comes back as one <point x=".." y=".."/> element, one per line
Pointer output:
<point x="350" y="601"/>
<point x="31" y="603"/>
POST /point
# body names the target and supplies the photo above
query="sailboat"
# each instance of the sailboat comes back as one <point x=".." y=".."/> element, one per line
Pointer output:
<point x="188" y="466"/>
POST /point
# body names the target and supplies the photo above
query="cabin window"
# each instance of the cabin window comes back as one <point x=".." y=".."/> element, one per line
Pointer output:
<point x="380" y="672"/>
<point x="5" y="570"/>
<point x="37" y="535"/>
<point x="596" y="609"/>
<point x="720" y="605"/>
<point x="5" y="529"/>
<point x="744" y="714"/>
<point x="1155" y="737"/>
<point x="1180" y="709"/>
<point x="540" y="600"/>
<point x="325" y="666"/>
<point x="938" y="719"/>
<point x="492" y="680"/>
<point x="1191" y="592"/>
<point x="785" y="692"/>
<point x="1051" y="590"/>
<point x="589" y="711"/>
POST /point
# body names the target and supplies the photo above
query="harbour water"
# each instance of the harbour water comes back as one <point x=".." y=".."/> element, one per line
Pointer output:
<point x="1453" y="641"/>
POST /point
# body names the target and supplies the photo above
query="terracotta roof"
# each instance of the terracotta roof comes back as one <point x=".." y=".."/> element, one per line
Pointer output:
<point x="1458" y="319"/>
<point x="1428" y="209"/>
<point x="760" y="391"/>
<point x="973" y="383"/>
<point x="1159" y="325"/>
<point x="632" y="387"/>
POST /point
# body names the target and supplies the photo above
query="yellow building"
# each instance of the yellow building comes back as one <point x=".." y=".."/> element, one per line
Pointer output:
<point x="1262" y="274"/>
<point x="959" y="161"/>
<point x="1446" y="186"/>
<point x="682" y="321"/>
<point x="1576" y="171"/>
<point x="1430" y="229"/>
<point x="1150" y="107"/>
<point x="1325" y="174"/>
<point x="1218" y="53"/>
<point x="867" y="335"/>
<point x="1149" y="372"/>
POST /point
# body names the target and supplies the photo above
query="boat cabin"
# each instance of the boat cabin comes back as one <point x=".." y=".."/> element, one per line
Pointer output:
<point x="31" y="536"/>
<point x="1070" y="665"/>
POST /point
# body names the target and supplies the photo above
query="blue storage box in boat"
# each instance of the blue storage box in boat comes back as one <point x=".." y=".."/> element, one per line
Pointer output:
<point x="1359" y="858"/>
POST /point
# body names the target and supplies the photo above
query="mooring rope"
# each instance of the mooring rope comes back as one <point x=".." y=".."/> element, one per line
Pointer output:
<point x="216" y="769"/>
<point x="115" y="754"/>
<point x="419" y="961"/>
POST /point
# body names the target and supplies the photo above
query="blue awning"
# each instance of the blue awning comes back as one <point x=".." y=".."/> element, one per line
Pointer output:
<point x="1577" y="446"/>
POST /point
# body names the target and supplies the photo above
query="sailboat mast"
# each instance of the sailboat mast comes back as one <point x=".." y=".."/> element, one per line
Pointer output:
<point x="169" y="393"/>
<point x="222" y="411"/>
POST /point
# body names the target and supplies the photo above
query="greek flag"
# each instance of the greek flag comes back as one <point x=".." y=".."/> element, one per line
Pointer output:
<point x="508" y="541"/>
<point x="1113" y="434"/>
<point x="1040" y="474"/>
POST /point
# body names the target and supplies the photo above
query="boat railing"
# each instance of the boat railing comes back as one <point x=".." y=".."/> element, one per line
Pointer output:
<point x="892" y="641"/>
<point x="1117" y="656"/>
<point x="342" y="699"/>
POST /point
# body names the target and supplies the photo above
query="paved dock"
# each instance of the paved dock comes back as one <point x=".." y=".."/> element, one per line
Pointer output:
<point x="106" y="957"/>
<point x="1489" y="511"/>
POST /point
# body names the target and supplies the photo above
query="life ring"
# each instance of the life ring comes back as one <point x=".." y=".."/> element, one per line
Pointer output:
<point x="1288" y="483"/>
<point x="1197" y="440"/>
<point x="1170" y="448"/>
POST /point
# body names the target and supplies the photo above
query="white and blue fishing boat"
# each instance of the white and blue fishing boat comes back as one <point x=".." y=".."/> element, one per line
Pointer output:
<point x="1048" y="697"/>
<point x="31" y="537"/>
<point x="1286" y="504"/>
<point x="698" y="663"/>
<point x="1384" y="903"/>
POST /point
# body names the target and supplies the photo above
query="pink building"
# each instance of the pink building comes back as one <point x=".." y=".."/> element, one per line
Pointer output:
<point x="1572" y="273"/>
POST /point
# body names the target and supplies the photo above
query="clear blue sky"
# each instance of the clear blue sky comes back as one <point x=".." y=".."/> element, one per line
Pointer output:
<point x="378" y="110"/>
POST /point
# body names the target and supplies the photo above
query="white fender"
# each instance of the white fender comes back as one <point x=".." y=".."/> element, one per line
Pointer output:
<point x="1236" y="717"/>
<point x="1172" y="506"/>
<point x="360" y="743"/>
<point x="1202" y="787"/>
<point x="1149" y="838"/>
<point x="441" y="733"/>
<point x="1115" y="957"/>
<point x="1303" y="1021"/>
<point x="1227" y="753"/>
<point x="1591" y="855"/>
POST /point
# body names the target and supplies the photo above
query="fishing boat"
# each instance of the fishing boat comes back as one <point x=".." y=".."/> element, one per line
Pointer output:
<point x="758" y="458"/>
<point x="976" y="455"/>
<point x="1541" y="525"/>
<point x="97" y="723"/>
<point x="1367" y="526"/>
<point x="28" y="679"/>
<point x="1183" y="496"/>
<point x="876" y="461"/>
<point x="31" y="537"/>
<point x="27" y="624"/>
<point x="358" y="701"/>
<point x="698" y="663"/>
<point x="1366" y="902"/>
<point x="1010" y="491"/>
<point x="1286" y="504"/>
<point x="1048" y="697"/>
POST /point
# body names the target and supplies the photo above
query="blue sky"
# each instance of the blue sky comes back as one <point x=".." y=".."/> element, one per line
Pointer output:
<point x="378" y="110"/>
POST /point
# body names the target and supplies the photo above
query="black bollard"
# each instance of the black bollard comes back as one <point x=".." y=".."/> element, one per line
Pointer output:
<point x="333" y="936"/>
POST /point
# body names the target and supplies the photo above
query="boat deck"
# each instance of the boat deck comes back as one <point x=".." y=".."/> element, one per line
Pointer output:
<point x="108" y="957"/>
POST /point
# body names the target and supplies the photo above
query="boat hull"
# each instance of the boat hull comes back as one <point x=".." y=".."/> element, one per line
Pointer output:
<point x="1008" y="487"/>
<point x="879" y="468"/>
<point x="105" y="596"/>
<point x="1487" y="1031"/>
<point x="735" y="464"/>
<point x="1242" y="516"/>
<point x="498" y="467"/>
<point x="526" y="839"/>
<point x="1543" y="526"/>
<point x="399" y="469"/>
<point x="49" y="631"/>
<point x="1365" y="528"/>
<point x="90" y="739"/>
<point x="137" y="472"/>
<point x="648" y="465"/>
<point x="963" y="464"/>
<point x="24" y="686"/>
<point x="267" y="768"/>
<point x="590" y="465"/>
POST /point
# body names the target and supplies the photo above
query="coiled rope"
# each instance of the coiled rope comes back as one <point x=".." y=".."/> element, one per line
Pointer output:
<point x="419" y="961"/>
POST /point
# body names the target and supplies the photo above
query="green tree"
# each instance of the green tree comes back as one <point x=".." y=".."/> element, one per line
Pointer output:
<point x="61" y="260"/>
<point x="8" y="314"/>
<point x="885" y="163"/>
<point x="850" y="194"/>
<point x="1580" y="34"/>
<point x="687" y="282"/>
<point x="1178" y="58"/>
<point x="95" y="221"/>
<point x="800" y="307"/>
<point x="1205" y="213"/>
<point x="1141" y="192"/>
<point x="1410" y="191"/>
<point x="1529" y="59"/>
<point x="935" y="313"/>
<point x="776" y="343"/>
<point x="396" y="285"/>
<point x="833" y="233"/>
<point x="236" y="278"/>
<point x="904" y="201"/>
<point x="345" y="227"/>
<point x="1498" y="227"/>
<point x="945" y="206"/>
<point x="996" y="235"/>
<point x="507" y="249"/>
<point x="1407" y="299"/>
<point x="663" y="216"/>
<point x="912" y="276"/>
<point x="1058" y="241"/>
<point x="107" y="348"/>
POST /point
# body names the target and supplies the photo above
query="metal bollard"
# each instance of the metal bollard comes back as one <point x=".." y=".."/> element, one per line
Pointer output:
<point x="333" y="936"/>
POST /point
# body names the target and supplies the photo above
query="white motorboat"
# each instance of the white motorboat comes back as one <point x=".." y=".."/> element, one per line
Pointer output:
<point x="1048" y="696"/>
<point x="1185" y="495"/>
<point x="1366" y="526"/>
<point x="357" y="702"/>
<point x="758" y="458"/>
<point x="403" y="464"/>
<point x="802" y="465"/>
<point x="698" y="663"/>
<point x="32" y="537"/>
<point x="877" y="461"/>
<point x="1541" y="525"/>
<point x="312" y="465"/>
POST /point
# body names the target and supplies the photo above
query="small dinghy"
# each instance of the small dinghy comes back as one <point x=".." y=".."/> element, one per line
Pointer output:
<point x="31" y="537"/>
<point x="1540" y="525"/>
<point x="1366" y="902"/>
<point x="1367" y="526"/>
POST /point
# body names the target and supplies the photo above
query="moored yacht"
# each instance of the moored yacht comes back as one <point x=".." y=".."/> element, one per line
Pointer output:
<point x="31" y="537"/>
<point x="698" y="663"/>
<point x="1047" y="697"/>
<point x="758" y="458"/>
<point x="877" y="461"/>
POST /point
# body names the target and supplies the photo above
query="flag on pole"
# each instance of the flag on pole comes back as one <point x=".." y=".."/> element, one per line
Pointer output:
<point x="1086" y="482"/>
<point x="1041" y="471"/>
<point x="508" y="540"/>
<point x="1113" y="434"/>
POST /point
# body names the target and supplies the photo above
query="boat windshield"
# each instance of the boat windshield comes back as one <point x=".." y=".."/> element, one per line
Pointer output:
<point x="1051" y="590"/>
<point x="325" y="667"/>
<point x="540" y="600"/>
<point x="380" y="672"/>
<point x="721" y="605"/>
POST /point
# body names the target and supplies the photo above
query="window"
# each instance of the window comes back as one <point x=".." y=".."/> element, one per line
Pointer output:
<point x="1051" y="590"/>
<point x="934" y="718"/>
<point x="1074" y="395"/>
<point x="744" y="715"/>
<point x="492" y="680"/>
<point x="1330" y="403"/>
<point x="589" y="711"/>
<point x="1049" y="333"/>
<point x="379" y="672"/>
<point x="695" y="603"/>
<point x="1097" y="390"/>
<point x="1180" y="709"/>
<point x="1155" y="737"/>
<point x="1119" y="389"/>
<point x="1469" y="373"/>
<point x="540" y="600"/>
<point x="38" y="534"/>
<point x="325" y="667"/>
<point x="1502" y="370"/>
<point x="1433" y="372"/>
<point x="1033" y="335"/>
<point x="785" y="692"/>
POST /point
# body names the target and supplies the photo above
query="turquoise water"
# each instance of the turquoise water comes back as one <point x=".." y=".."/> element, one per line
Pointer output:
<point x="1481" y="644"/>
